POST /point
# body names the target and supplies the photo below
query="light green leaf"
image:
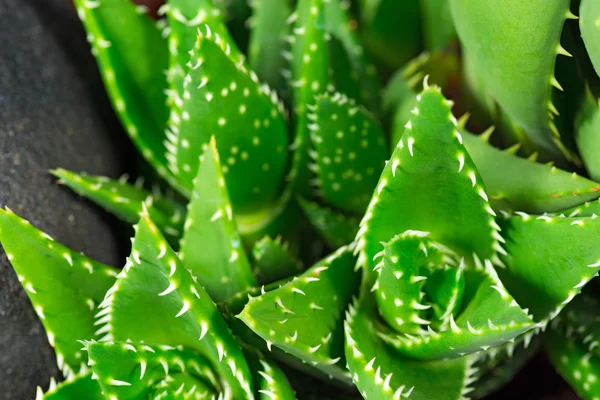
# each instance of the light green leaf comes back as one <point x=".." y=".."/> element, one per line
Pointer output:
<point x="304" y="316"/>
<point x="157" y="300"/>
<point x="125" y="200"/>
<point x="64" y="286"/>
<point x="211" y="246"/>
<point x="132" y="57"/>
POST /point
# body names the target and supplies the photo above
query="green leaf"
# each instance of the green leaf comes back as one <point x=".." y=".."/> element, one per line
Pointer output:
<point x="549" y="260"/>
<point x="337" y="229"/>
<point x="438" y="26"/>
<point x="515" y="183"/>
<point x="135" y="370"/>
<point x="310" y="64"/>
<point x="391" y="30"/>
<point x="304" y="316"/>
<point x="407" y="262"/>
<point x="80" y="386"/>
<point x="185" y="18"/>
<point x="349" y="152"/>
<point x="222" y="98"/>
<point x="430" y="184"/>
<point x="125" y="200"/>
<point x="157" y="300"/>
<point x="383" y="374"/>
<point x="268" y="34"/>
<point x="587" y="128"/>
<point x="270" y="381"/>
<point x="272" y="261"/>
<point x="361" y="68"/>
<point x="64" y="286"/>
<point x="513" y="49"/>
<point x="589" y="13"/>
<point x="211" y="246"/>
<point x="579" y="366"/>
<point x="490" y="318"/>
<point x="132" y="57"/>
<point x="489" y="315"/>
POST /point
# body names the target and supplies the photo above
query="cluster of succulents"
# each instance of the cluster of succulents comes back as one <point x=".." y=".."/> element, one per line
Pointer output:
<point x="305" y="219"/>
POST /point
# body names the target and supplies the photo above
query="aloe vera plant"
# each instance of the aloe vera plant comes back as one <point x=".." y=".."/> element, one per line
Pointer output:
<point x="290" y="234"/>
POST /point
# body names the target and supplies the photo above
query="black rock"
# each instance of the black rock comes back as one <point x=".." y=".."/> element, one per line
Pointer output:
<point x="48" y="119"/>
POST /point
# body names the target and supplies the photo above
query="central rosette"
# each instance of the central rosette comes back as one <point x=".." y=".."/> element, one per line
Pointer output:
<point x="434" y="306"/>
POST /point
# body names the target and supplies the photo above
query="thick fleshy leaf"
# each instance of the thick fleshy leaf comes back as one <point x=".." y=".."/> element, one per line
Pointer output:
<point x="337" y="229"/>
<point x="128" y="370"/>
<point x="513" y="49"/>
<point x="80" y="386"/>
<point x="438" y="26"/>
<point x="157" y="300"/>
<point x="272" y="260"/>
<point x="125" y="200"/>
<point x="574" y="362"/>
<point x="337" y="20"/>
<point x="391" y="30"/>
<point x="490" y="318"/>
<point x="430" y="184"/>
<point x="589" y="13"/>
<point x="515" y="183"/>
<point x="587" y="130"/>
<point x="268" y="33"/>
<point x="349" y="152"/>
<point x="380" y="373"/>
<point x="211" y="246"/>
<point x="270" y="381"/>
<point x="64" y="286"/>
<point x="310" y="74"/>
<point x="185" y="17"/>
<point x="304" y="316"/>
<point x="132" y="57"/>
<point x="222" y="98"/>
<point x="407" y="262"/>
<point x="549" y="260"/>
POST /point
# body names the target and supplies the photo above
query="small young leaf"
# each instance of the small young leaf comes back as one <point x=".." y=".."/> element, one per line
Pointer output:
<point x="223" y="99"/>
<point x="350" y="152"/>
<point x="132" y="57"/>
<point x="272" y="261"/>
<point x="64" y="286"/>
<point x="490" y="318"/>
<point x="336" y="229"/>
<point x="125" y="200"/>
<point x="157" y="300"/>
<point x="281" y="317"/>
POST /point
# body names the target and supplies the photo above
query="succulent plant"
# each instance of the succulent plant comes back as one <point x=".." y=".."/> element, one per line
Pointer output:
<point x="435" y="271"/>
